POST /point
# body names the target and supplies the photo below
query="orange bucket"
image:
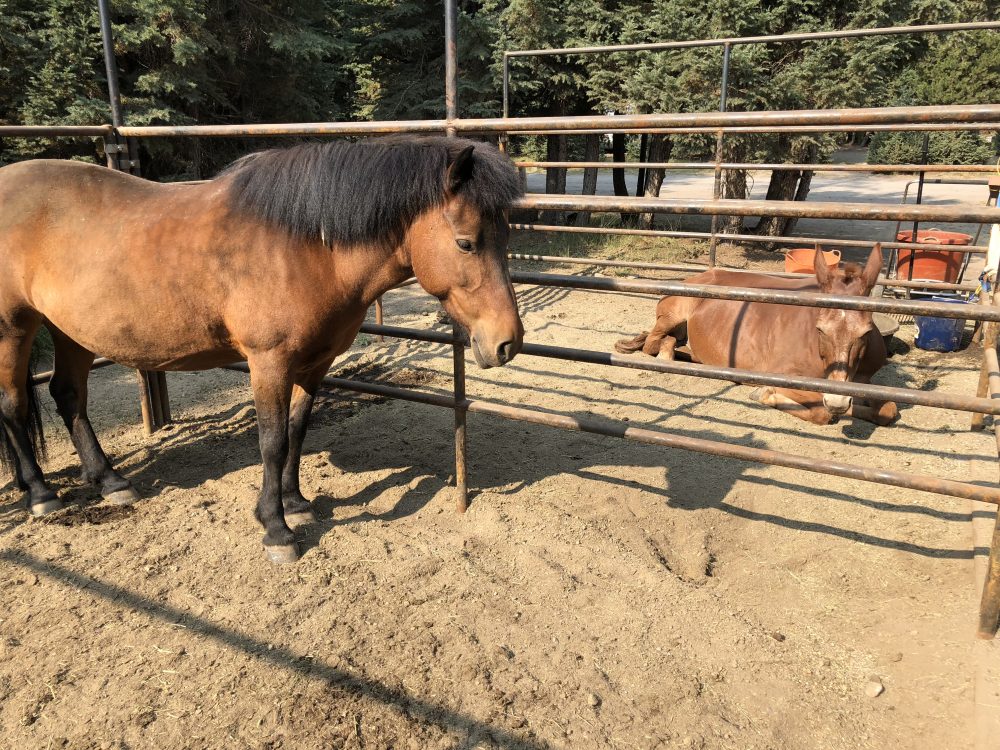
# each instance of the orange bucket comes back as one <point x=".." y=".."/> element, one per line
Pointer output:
<point x="803" y="260"/>
<point x="931" y="265"/>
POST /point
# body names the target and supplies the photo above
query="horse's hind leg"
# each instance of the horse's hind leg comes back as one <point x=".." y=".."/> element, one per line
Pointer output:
<point x="69" y="389"/>
<point x="16" y="406"/>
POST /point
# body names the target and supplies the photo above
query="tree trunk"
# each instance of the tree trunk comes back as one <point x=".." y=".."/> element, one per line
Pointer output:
<point x="659" y="149"/>
<point x="618" y="175"/>
<point x="787" y="185"/>
<point x="734" y="186"/>
<point x="591" y="152"/>
<point x="555" y="177"/>
<point x="640" y="180"/>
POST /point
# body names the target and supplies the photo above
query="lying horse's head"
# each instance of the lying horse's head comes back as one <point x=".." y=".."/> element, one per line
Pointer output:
<point x="458" y="251"/>
<point x="844" y="334"/>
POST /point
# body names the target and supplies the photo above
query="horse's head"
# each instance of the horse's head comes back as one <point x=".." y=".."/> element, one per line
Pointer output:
<point x="458" y="252"/>
<point x="843" y="334"/>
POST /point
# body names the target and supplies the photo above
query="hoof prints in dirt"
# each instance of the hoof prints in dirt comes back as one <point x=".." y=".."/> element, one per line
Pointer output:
<point x="93" y="515"/>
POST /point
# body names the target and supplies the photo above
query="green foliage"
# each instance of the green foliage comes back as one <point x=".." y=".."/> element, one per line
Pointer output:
<point x="186" y="61"/>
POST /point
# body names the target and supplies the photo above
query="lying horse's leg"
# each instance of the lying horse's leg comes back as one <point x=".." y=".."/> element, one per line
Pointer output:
<point x="272" y="390"/>
<point x="69" y="390"/>
<point x="16" y="415"/>
<point x="882" y="413"/>
<point x="807" y="405"/>
<point x="298" y="510"/>
<point x="671" y="313"/>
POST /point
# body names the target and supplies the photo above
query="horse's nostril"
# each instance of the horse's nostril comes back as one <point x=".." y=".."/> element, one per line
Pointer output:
<point x="505" y="352"/>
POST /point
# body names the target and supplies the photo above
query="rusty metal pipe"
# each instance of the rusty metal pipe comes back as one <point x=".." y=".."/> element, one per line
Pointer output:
<point x="695" y="268"/>
<point x="45" y="377"/>
<point x="806" y="241"/>
<point x="808" y="36"/>
<point x="54" y="131"/>
<point x="989" y="606"/>
<point x="749" y="166"/>
<point x="770" y="296"/>
<point x="768" y="130"/>
<point x="796" y="209"/>
<point x="859" y="118"/>
<point x="667" y="440"/>
<point x="729" y="374"/>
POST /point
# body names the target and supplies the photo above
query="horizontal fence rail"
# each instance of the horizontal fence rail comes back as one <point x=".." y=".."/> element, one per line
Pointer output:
<point x="750" y="166"/>
<point x="767" y="129"/>
<point x="730" y="374"/>
<point x="806" y="241"/>
<point x="896" y="117"/>
<point x="693" y="268"/>
<point x="769" y="296"/>
<point x="807" y="36"/>
<point x="667" y="440"/>
<point x="55" y="131"/>
<point x="796" y="209"/>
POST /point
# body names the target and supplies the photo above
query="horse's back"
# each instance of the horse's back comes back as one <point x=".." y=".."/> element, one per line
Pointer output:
<point x="752" y="335"/>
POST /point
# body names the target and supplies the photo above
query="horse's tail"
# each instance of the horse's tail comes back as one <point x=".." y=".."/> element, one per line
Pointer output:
<point x="628" y="346"/>
<point x="35" y="426"/>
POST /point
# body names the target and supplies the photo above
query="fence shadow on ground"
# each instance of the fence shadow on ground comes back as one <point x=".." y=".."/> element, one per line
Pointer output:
<point x="276" y="655"/>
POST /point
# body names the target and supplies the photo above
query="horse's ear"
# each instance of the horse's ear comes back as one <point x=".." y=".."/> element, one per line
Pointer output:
<point x="460" y="170"/>
<point x="821" y="269"/>
<point x="872" y="268"/>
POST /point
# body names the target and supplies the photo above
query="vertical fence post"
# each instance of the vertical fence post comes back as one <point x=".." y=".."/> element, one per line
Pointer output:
<point x="506" y="100"/>
<point x="717" y="188"/>
<point x="123" y="155"/>
<point x="458" y="348"/>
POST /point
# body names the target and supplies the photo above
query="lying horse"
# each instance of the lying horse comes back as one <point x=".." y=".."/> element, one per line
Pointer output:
<point x="274" y="261"/>
<point x="813" y="342"/>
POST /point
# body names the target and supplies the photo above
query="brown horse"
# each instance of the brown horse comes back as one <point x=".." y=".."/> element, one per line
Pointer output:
<point x="813" y="342"/>
<point x="275" y="261"/>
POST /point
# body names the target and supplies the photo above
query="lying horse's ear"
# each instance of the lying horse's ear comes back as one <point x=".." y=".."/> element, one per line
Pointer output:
<point x="872" y="268"/>
<point x="460" y="170"/>
<point x="821" y="269"/>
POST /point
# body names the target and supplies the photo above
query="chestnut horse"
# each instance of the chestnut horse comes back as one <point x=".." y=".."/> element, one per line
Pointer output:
<point x="275" y="261"/>
<point x="813" y="342"/>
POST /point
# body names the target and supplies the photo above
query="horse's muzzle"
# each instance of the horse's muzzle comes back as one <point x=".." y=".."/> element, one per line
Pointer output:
<point x="501" y="354"/>
<point x="837" y="404"/>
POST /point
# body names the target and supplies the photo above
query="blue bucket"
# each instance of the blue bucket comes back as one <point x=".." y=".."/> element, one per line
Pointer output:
<point x="939" y="334"/>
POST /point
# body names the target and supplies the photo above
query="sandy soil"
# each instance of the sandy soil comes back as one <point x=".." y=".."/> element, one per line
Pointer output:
<point x="597" y="594"/>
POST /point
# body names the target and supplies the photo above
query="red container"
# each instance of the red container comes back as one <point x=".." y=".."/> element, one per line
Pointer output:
<point x="931" y="265"/>
<point x="803" y="260"/>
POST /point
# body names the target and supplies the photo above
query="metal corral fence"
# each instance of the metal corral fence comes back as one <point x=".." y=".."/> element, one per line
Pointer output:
<point x="121" y="149"/>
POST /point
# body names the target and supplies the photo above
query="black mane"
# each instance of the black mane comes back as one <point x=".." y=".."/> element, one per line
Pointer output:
<point x="368" y="192"/>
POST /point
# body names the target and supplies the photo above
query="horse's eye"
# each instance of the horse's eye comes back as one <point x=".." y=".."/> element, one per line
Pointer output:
<point x="464" y="245"/>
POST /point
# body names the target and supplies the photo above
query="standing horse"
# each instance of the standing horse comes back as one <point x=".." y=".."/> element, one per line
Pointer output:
<point x="274" y="261"/>
<point x="814" y="342"/>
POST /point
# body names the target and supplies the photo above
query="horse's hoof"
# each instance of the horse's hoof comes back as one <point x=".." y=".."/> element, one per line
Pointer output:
<point x="300" y="518"/>
<point x="282" y="554"/>
<point x="126" y="496"/>
<point x="46" y="506"/>
<point x="762" y="393"/>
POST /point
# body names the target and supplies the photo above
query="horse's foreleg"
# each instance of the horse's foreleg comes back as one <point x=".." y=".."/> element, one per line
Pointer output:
<point x="807" y="405"/>
<point x="16" y="415"/>
<point x="272" y="390"/>
<point x="69" y="390"/>
<point x="298" y="510"/>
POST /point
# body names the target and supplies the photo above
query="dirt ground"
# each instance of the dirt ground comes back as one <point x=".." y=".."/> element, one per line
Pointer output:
<point x="597" y="594"/>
